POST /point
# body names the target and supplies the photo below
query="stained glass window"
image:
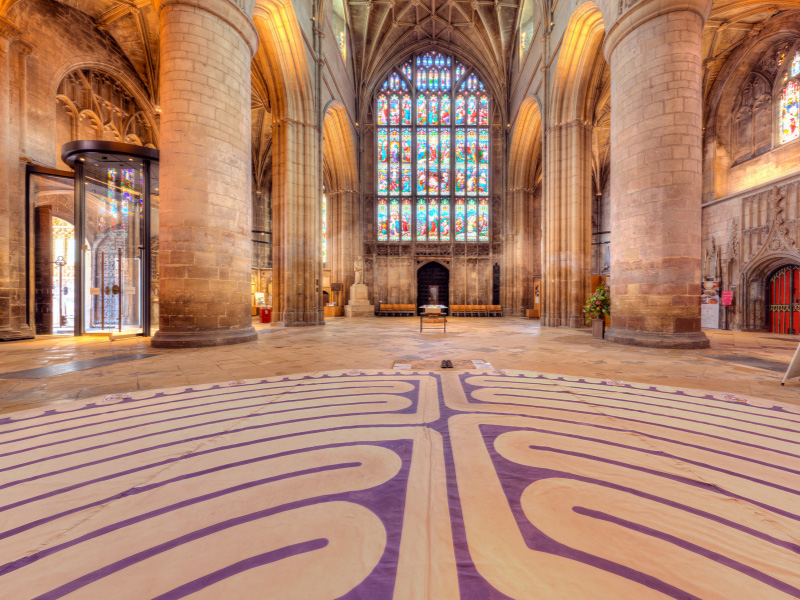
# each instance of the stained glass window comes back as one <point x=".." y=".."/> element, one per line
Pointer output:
<point x="780" y="55"/>
<point x="525" y="27"/>
<point x="789" y="103"/>
<point x="423" y="110"/>
<point x="339" y="24"/>
<point x="788" y="124"/>
<point x="342" y="45"/>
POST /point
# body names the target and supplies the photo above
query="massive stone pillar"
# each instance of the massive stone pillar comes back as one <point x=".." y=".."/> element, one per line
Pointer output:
<point x="520" y="254"/>
<point x="205" y="174"/>
<point x="567" y="228"/>
<point x="344" y="238"/>
<point x="13" y="277"/>
<point x="656" y="174"/>
<point x="297" y="220"/>
<point x="6" y="169"/>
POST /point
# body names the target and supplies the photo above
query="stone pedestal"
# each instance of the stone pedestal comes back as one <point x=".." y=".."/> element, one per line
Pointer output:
<point x="359" y="305"/>
<point x="206" y="50"/>
<point x="655" y="54"/>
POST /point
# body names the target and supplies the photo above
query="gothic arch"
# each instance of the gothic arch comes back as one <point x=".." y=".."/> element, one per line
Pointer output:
<point x="282" y="57"/>
<point x="377" y="77"/>
<point x="522" y="221"/>
<point x="752" y="300"/>
<point x="282" y="60"/>
<point x="339" y="147"/>
<point x="525" y="152"/>
<point x="579" y="67"/>
<point x="340" y="174"/>
<point x="734" y="130"/>
<point x="579" y="88"/>
<point x="91" y="107"/>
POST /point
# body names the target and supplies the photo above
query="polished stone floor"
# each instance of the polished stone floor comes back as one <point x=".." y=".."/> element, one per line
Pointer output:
<point x="490" y="484"/>
<point x="737" y="363"/>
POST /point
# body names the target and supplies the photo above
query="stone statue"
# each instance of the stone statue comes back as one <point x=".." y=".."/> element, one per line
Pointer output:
<point x="359" y="267"/>
<point x="358" y="305"/>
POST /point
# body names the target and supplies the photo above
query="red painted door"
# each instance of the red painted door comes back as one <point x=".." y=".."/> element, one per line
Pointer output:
<point x="783" y="311"/>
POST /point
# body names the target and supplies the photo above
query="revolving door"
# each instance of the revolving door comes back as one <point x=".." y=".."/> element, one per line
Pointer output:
<point x="116" y="221"/>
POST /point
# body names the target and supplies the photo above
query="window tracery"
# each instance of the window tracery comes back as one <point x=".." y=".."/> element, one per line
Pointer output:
<point x="789" y="102"/>
<point x="99" y="99"/>
<point x="432" y="153"/>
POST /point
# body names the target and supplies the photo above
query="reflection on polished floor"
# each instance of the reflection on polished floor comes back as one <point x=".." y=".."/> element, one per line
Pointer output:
<point x="373" y="485"/>
<point x="378" y="343"/>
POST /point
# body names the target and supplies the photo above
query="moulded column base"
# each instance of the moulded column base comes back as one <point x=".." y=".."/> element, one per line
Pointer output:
<point x="202" y="339"/>
<point x="313" y="318"/>
<point x="687" y="341"/>
<point x="571" y="322"/>
<point x="12" y="335"/>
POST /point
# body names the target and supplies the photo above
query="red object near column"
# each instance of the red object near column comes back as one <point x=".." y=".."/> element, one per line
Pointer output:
<point x="266" y="315"/>
<point x="783" y="306"/>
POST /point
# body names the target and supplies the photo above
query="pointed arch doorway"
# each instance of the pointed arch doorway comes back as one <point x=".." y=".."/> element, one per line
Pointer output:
<point x="433" y="284"/>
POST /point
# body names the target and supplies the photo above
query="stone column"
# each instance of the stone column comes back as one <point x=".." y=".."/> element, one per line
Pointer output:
<point x="205" y="174"/>
<point x="567" y="229"/>
<point x="297" y="220"/>
<point x="520" y="255"/>
<point x="13" y="277"/>
<point x="6" y="171"/>
<point x="344" y="239"/>
<point x="654" y="52"/>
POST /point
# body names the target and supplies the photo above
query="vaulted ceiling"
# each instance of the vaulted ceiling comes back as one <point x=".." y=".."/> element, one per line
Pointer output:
<point x="730" y="25"/>
<point x="133" y="24"/>
<point x="481" y="32"/>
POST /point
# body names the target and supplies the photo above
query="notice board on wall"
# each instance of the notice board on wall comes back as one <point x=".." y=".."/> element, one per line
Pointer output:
<point x="709" y="305"/>
<point x="727" y="298"/>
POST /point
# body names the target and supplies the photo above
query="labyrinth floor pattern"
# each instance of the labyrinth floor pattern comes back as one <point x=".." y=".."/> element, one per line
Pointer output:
<point x="373" y="485"/>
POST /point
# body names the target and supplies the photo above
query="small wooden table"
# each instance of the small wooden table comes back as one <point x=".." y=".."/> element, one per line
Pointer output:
<point x="334" y="311"/>
<point x="433" y="314"/>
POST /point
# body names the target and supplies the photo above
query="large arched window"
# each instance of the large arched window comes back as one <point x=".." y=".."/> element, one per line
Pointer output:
<point x="339" y="25"/>
<point x="525" y="29"/>
<point x="789" y="98"/>
<point x="424" y="190"/>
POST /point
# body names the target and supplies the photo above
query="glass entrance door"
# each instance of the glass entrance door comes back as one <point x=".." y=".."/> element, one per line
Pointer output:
<point x="113" y="245"/>
<point x="115" y="188"/>
<point x="52" y="250"/>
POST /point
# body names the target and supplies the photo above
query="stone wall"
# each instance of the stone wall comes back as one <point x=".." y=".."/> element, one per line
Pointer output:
<point x="46" y="41"/>
<point x="746" y="237"/>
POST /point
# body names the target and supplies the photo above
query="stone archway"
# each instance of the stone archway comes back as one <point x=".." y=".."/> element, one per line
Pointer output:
<point x="567" y="200"/>
<point x="783" y="300"/>
<point x="522" y="211"/>
<point x="340" y="174"/>
<point x="753" y="301"/>
<point x="433" y="284"/>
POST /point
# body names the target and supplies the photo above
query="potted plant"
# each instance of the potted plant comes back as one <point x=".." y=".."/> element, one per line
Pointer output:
<point x="595" y="310"/>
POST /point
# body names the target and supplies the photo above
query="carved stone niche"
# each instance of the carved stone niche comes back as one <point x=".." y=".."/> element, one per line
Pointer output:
<point x="751" y="128"/>
<point x="762" y="125"/>
<point x="743" y="134"/>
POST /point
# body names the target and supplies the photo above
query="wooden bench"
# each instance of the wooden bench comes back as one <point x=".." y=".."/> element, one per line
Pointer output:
<point x="396" y="310"/>
<point x="476" y="310"/>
